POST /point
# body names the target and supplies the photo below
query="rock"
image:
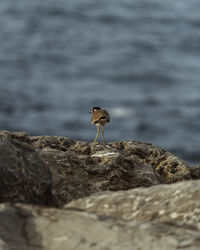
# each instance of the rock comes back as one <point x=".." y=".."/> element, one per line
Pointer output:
<point x="195" y="172"/>
<point x="12" y="228"/>
<point x="177" y="202"/>
<point x="28" y="227"/>
<point x="81" y="168"/>
<point x="24" y="177"/>
<point x="167" y="165"/>
<point x="77" y="175"/>
<point x="117" y="195"/>
<point x="3" y="245"/>
<point x="170" y="168"/>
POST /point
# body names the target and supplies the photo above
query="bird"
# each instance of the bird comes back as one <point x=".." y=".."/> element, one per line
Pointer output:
<point x="99" y="117"/>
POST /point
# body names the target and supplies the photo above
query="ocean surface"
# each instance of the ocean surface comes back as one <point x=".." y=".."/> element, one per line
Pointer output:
<point x="139" y="59"/>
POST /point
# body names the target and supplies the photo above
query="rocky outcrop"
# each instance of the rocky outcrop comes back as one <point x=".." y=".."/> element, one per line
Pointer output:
<point x="167" y="165"/>
<point x="83" y="196"/>
<point x="78" y="175"/>
<point x="24" y="177"/>
<point x="159" y="217"/>
<point x="79" y="169"/>
<point x="195" y="172"/>
<point x="178" y="203"/>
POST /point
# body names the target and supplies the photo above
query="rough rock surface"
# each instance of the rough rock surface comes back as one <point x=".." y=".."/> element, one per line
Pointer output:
<point x="78" y="168"/>
<point x="143" y="218"/>
<point x="178" y="202"/>
<point x="167" y="165"/>
<point x="24" y="177"/>
<point x="79" y="175"/>
<point x="120" y="196"/>
<point x="195" y="172"/>
<point x="81" y="168"/>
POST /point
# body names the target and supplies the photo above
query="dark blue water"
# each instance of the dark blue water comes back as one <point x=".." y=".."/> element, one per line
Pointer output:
<point x="139" y="59"/>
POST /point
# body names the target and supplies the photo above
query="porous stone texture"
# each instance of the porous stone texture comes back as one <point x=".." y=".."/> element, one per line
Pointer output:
<point x="79" y="175"/>
<point x="195" y="172"/>
<point x="81" y="168"/>
<point x="167" y="165"/>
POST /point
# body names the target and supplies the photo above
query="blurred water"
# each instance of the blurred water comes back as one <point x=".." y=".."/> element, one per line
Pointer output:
<point x="139" y="59"/>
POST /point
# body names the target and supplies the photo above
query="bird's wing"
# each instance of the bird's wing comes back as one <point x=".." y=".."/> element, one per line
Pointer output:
<point x="105" y="115"/>
<point x="100" y="115"/>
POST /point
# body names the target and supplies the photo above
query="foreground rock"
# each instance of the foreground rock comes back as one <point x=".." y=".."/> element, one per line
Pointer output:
<point x="79" y="169"/>
<point x="139" y="219"/>
<point x="114" y="196"/>
<point x="164" y="203"/>
<point x="23" y="175"/>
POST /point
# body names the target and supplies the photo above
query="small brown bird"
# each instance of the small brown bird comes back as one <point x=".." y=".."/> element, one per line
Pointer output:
<point x="99" y="117"/>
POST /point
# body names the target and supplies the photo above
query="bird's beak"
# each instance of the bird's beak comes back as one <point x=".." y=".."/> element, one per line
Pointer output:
<point x="90" y="111"/>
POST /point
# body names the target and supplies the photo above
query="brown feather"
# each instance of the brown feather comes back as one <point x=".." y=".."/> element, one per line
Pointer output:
<point x="100" y="117"/>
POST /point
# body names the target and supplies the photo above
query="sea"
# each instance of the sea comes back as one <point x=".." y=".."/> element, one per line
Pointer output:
<point x="138" y="59"/>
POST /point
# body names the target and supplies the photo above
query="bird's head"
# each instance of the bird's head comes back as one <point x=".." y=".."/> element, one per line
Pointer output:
<point x="94" y="109"/>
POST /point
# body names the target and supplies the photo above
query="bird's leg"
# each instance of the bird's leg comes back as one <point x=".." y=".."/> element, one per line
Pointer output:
<point x="97" y="134"/>
<point x="103" y="133"/>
